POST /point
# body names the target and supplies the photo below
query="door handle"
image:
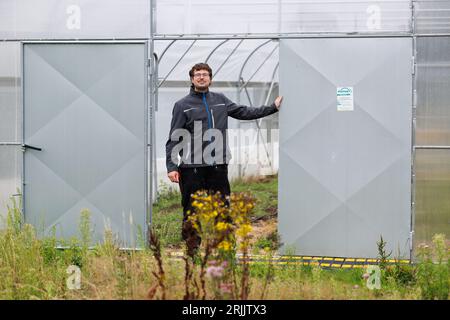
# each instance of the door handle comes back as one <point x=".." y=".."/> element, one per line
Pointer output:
<point x="26" y="146"/>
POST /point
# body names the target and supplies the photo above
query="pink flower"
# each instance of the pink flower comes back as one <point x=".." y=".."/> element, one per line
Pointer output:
<point x="226" y="287"/>
<point x="214" y="272"/>
<point x="212" y="262"/>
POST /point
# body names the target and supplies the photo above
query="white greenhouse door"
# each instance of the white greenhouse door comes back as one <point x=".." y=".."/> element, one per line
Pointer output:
<point x="345" y="146"/>
<point x="85" y="111"/>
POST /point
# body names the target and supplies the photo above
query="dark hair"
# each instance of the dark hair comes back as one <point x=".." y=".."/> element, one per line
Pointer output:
<point x="200" y="66"/>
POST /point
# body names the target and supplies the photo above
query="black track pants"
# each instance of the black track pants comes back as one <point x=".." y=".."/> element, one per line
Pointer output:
<point x="211" y="179"/>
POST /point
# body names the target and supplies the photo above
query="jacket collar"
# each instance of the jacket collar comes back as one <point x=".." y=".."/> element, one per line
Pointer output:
<point x="197" y="94"/>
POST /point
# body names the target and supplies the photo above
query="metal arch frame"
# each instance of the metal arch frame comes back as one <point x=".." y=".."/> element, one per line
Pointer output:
<point x="272" y="83"/>
<point x="158" y="61"/>
<point x="154" y="91"/>
<point x="214" y="50"/>
<point x="257" y="69"/>
<point x="166" y="48"/>
<point x="239" y="90"/>
<point x="228" y="57"/>
<point x="258" y="121"/>
<point x="248" y="58"/>
<point x="177" y="63"/>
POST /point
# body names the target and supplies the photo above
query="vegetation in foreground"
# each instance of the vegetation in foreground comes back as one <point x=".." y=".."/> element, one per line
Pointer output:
<point x="33" y="268"/>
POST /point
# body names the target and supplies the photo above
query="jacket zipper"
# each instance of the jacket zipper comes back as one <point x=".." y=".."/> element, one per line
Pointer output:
<point x="207" y="111"/>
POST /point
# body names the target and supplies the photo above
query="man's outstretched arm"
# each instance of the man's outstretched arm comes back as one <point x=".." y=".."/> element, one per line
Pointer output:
<point x="241" y="112"/>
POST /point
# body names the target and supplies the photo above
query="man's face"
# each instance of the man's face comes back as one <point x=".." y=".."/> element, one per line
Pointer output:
<point x="201" y="80"/>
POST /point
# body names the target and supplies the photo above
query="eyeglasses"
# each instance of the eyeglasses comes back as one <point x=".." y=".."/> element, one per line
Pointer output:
<point x="198" y="75"/>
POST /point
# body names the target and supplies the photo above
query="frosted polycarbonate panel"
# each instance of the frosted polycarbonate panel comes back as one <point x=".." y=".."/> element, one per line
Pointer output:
<point x="273" y="16"/>
<point x="345" y="176"/>
<point x="10" y="92"/>
<point x="85" y="106"/>
<point x="432" y="210"/>
<point x="10" y="181"/>
<point x="74" y="19"/>
<point x="433" y="91"/>
<point x="432" y="16"/>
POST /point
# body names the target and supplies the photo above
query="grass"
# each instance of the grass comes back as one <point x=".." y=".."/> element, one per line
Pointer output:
<point x="168" y="213"/>
<point x="166" y="218"/>
<point x="265" y="190"/>
<point x="32" y="267"/>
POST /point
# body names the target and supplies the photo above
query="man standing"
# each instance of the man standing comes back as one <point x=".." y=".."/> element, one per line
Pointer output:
<point x="196" y="119"/>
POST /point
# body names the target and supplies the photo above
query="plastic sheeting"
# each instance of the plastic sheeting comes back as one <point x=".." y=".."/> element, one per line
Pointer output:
<point x="10" y="125"/>
<point x="10" y="92"/>
<point x="10" y="179"/>
<point x="100" y="19"/>
<point x="74" y="19"/>
<point x="118" y="19"/>
<point x="275" y="16"/>
<point x="225" y="58"/>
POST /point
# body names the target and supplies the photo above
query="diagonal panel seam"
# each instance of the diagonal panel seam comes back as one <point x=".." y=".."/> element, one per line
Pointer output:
<point x="315" y="179"/>
<point x="393" y="135"/>
<point x="320" y="221"/>
<point x="330" y="105"/>
<point x="67" y="81"/>
<point x="114" y="172"/>
<point x="89" y="94"/>
<point x="77" y="192"/>
<point x="311" y="66"/>
<point x="340" y="202"/>
<point x="110" y="70"/>
<point x="67" y="212"/>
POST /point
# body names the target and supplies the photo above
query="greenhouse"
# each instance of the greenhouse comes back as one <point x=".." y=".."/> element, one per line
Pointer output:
<point x="361" y="145"/>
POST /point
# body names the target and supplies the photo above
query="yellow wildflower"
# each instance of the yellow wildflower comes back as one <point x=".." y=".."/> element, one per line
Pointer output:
<point x="244" y="230"/>
<point x="222" y="226"/>
<point x="224" y="245"/>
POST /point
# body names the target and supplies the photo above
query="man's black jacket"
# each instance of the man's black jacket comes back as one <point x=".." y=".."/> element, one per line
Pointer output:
<point x="197" y="112"/>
